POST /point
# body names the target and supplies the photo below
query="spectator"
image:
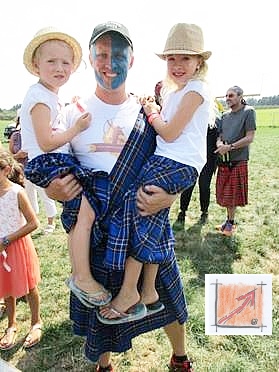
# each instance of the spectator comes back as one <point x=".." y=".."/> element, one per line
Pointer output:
<point x="19" y="263"/>
<point x="205" y="176"/>
<point x="237" y="132"/>
<point x="32" y="190"/>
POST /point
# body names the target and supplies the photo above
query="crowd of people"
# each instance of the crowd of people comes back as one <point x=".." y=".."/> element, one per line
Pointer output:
<point x="118" y="162"/>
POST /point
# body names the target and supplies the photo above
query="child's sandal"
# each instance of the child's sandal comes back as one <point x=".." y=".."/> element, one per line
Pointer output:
<point x="7" y="342"/>
<point x="34" y="336"/>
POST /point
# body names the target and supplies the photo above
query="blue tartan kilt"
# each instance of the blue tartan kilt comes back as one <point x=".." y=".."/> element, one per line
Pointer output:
<point x="96" y="186"/>
<point x="100" y="338"/>
<point x="151" y="238"/>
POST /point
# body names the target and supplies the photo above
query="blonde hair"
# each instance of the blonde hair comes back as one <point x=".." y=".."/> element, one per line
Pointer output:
<point x="16" y="173"/>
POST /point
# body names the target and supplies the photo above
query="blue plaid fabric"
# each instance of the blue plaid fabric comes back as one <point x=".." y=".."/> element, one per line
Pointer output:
<point x="151" y="238"/>
<point x="100" y="338"/>
<point x="96" y="186"/>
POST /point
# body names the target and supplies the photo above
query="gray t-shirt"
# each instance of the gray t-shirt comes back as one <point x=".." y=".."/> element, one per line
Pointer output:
<point x="234" y="126"/>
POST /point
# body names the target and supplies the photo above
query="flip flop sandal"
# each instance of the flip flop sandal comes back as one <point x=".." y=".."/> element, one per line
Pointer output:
<point x="88" y="299"/>
<point x="29" y="340"/>
<point x="154" y="308"/>
<point x="135" y="312"/>
<point x="10" y="335"/>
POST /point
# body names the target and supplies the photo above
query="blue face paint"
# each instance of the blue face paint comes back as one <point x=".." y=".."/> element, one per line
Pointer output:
<point x="112" y="51"/>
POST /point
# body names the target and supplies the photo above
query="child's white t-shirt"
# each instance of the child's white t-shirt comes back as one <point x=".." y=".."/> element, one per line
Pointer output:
<point x="37" y="93"/>
<point x="190" y="147"/>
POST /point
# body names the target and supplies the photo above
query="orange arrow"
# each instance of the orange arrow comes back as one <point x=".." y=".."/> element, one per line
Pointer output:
<point x="248" y="297"/>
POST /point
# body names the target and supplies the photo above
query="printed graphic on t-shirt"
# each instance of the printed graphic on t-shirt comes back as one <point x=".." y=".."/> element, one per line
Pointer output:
<point x="114" y="139"/>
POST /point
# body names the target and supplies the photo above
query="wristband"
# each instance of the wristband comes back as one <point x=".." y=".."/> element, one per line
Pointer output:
<point x="5" y="241"/>
<point x="152" y="116"/>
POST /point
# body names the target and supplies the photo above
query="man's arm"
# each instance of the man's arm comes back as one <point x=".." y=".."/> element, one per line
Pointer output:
<point x="155" y="200"/>
<point x="242" y="142"/>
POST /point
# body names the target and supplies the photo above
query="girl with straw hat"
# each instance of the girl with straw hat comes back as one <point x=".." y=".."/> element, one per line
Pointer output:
<point x="178" y="159"/>
<point x="53" y="56"/>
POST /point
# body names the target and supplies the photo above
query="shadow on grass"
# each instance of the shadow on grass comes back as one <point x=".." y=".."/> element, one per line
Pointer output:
<point x="207" y="253"/>
<point x="201" y="251"/>
<point x="58" y="350"/>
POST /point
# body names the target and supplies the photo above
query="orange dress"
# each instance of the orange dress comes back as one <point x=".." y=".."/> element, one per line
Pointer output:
<point x="21" y="254"/>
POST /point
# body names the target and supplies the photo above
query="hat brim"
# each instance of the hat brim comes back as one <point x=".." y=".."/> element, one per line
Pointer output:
<point x="126" y="37"/>
<point x="163" y="55"/>
<point x="40" y="39"/>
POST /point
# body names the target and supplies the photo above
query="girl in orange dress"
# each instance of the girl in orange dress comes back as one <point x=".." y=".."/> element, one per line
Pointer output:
<point x="19" y="263"/>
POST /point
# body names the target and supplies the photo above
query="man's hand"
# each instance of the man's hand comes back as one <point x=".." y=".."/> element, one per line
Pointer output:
<point x="64" y="189"/>
<point x="154" y="200"/>
<point x="223" y="149"/>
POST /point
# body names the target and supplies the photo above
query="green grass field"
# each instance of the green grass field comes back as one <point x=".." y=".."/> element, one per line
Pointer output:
<point x="199" y="250"/>
<point x="267" y="117"/>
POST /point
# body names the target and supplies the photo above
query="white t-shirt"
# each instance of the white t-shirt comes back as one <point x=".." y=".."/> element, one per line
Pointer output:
<point x="99" y="146"/>
<point x="37" y="93"/>
<point x="190" y="147"/>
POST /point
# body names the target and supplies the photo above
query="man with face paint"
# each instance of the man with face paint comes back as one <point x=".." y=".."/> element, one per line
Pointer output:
<point x="119" y="141"/>
<point x="237" y="132"/>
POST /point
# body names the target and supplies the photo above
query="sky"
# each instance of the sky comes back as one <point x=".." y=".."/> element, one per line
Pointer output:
<point x="242" y="35"/>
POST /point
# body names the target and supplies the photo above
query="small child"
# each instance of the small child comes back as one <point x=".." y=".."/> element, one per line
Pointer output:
<point x="179" y="156"/>
<point x="31" y="189"/>
<point x="53" y="56"/>
<point x="19" y="263"/>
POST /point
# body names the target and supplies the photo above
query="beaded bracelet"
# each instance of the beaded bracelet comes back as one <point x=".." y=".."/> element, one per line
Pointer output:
<point x="152" y="116"/>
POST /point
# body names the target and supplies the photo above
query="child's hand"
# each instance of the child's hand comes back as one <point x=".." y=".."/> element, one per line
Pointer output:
<point x="83" y="122"/>
<point x="149" y="105"/>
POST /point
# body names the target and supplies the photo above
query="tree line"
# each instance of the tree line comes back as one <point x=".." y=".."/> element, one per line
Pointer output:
<point x="9" y="114"/>
<point x="259" y="102"/>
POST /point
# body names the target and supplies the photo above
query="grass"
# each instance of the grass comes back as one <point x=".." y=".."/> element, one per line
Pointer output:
<point x="268" y="117"/>
<point x="199" y="250"/>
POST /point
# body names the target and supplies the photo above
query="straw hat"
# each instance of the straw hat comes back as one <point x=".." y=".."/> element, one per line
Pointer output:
<point x="45" y="34"/>
<point x="185" y="38"/>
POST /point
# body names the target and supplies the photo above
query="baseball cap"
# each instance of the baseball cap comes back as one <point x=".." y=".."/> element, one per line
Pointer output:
<point x="110" y="26"/>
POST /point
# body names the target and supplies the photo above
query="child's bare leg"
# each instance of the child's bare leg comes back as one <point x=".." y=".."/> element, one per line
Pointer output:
<point x="128" y="294"/>
<point x="33" y="299"/>
<point x="35" y="333"/>
<point x="10" y="303"/>
<point x="79" y="245"/>
<point x="149" y="294"/>
<point x="8" y="339"/>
